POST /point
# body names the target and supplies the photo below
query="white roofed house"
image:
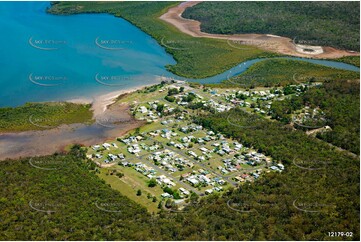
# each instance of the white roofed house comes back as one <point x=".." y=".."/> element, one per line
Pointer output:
<point x="184" y="139"/>
<point x="204" y="179"/>
<point x="112" y="157"/>
<point x="204" y="149"/>
<point x="184" y="129"/>
<point x="192" y="154"/>
<point x="210" y="133"/>
<point x="184" y="191"/>
<point x="202" y="158"/>
<point x="209" y="191"/>
<point x="143" y="109"/>
<point x="192" y="180"/>
<point x="168" y="182"/>
<point x="226" y="149"/>
<point x="134" y="149"/>
<point x="106" y="146"/>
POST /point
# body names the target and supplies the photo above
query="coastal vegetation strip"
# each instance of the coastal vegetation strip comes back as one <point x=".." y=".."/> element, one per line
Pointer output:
<point x="196" y="57"/>
<point x="280" y="72"/>
<point x="353" y="60"/>
<point x="41" y="116"/>
<point x="308" y="23"/>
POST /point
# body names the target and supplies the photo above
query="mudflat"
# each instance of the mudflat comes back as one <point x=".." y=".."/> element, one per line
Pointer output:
<point x="113" y="122"/>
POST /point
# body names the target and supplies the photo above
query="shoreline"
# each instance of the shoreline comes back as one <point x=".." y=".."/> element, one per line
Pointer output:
<point x="268" y="42"/>
<point x="101" y="102"/>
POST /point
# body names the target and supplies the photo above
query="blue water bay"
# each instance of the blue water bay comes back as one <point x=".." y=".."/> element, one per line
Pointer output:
<point x="49" y="58"/>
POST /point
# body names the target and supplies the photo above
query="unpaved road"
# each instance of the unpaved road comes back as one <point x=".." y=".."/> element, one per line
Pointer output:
<point x="282" y="45"/>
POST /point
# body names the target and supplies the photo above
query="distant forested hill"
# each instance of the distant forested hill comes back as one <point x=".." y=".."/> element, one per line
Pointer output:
<point x="333" y="24"/>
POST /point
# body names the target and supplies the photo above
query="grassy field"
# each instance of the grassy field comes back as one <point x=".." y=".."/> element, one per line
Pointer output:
<point x="196" y="57"/>
<point x="129" y="184"/>
<point x="40" y="116"/>
<point x="279" y="72"/>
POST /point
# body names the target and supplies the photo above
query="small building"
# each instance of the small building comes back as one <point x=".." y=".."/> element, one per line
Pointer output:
<point x="209" y="191"/>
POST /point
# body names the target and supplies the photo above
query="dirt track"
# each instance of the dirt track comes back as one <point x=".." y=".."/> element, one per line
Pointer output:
<point x="272" y="43"/>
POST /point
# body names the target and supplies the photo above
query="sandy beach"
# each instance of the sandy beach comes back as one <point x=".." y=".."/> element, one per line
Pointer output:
<point x="268" y="42"/>
<point x="100" y="103"/>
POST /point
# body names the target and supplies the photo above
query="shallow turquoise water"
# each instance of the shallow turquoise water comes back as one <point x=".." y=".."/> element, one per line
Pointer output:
<point x="46" y="57"/>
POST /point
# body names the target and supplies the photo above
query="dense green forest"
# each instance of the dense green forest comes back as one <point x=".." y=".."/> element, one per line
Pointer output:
<point x="333" y="24"/>
<point x="280" y="72"/>
<point x="196" y="57"/>
<point x="39" y="116"/>
<point x="340" y="100"/>
<point x="57" y="198"/>
<point x="325" y="180"/>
